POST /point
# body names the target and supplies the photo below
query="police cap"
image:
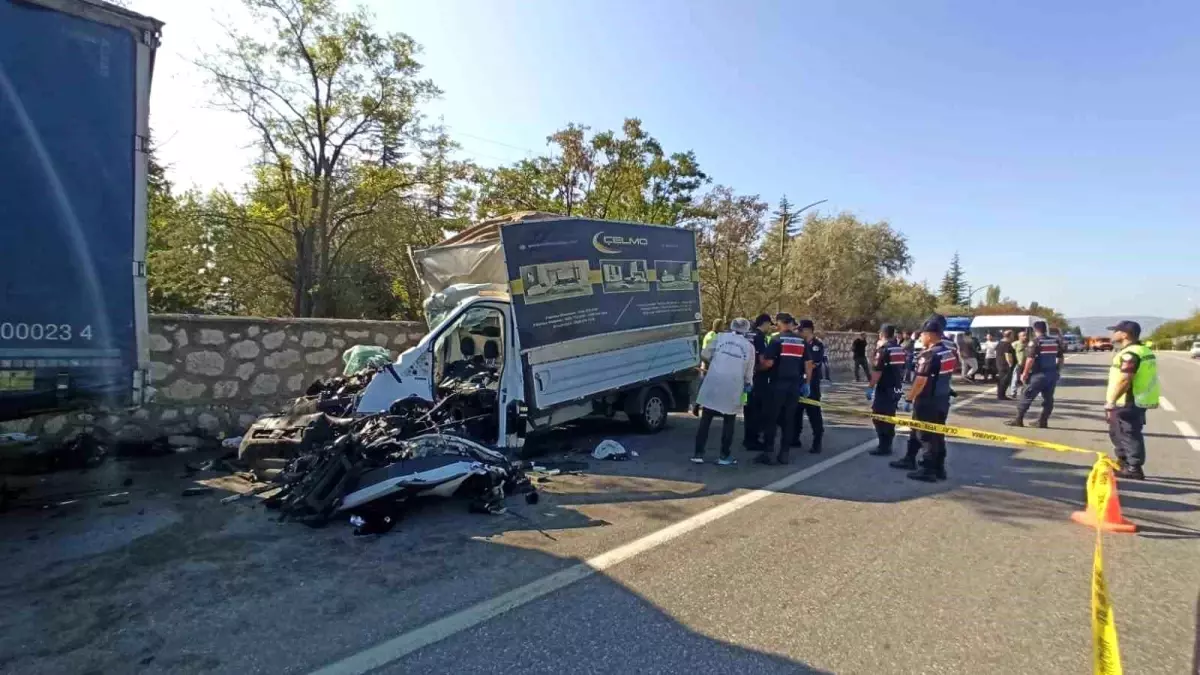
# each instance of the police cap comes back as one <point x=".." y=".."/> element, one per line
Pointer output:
<point x="931" y="326"/>
<point x="888" y="330"/>
<point x="1132" y="328"/>
<point x="761" y="319"/>
<point x="806" y="323"/>
<point x="784" y="318"/>
<point x="939" y="319"/>
<point x="1039" y="326"/>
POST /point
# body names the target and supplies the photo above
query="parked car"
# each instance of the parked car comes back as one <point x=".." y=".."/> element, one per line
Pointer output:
<point x="1196" y="350"/>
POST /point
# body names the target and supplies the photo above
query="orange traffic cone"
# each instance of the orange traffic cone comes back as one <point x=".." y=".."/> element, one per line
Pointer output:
<point x="1111" y="519"/>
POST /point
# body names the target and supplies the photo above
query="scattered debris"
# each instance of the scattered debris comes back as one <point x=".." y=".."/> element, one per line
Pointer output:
<point x="612" y="450"/>
<point x="197" y="491"/>
<point x="232" y="443"/>
<point x="257" y="490"/>
<point x="361" y="357"/>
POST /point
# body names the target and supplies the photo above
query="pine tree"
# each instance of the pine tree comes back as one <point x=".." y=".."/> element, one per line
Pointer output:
<point x="776" y="244"/>
<point x="954" y="289"/>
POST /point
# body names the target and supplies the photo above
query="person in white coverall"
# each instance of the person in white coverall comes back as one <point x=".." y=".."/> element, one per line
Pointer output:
<point x="730" y="359"/>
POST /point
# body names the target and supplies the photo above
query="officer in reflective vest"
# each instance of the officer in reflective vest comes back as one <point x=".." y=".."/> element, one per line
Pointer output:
<point x="1043" y="360"/>
<point x="814" y="351"/>
<point x="787" y="364"/>
<point x="754" y="403"/>
<point x="1132" y="390"/>
<point x="930" y="400"/>
<point x="887" y="385"/>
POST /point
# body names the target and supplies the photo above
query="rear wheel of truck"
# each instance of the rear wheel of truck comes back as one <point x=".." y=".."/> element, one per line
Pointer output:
<point x="652" y="413"/>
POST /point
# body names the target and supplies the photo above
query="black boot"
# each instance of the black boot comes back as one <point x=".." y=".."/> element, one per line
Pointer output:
<point x="1042" y="424"/>
<point x="816" y="447"/>
<point x="783" y="458"/>
<point x="1015" y="422"/>
<point x="908" y="463"/>
<point x="881" y="451"/>
<point x="1130" y="473"/>
<point x="925" y="474"/>
<point x="765" y="458"/>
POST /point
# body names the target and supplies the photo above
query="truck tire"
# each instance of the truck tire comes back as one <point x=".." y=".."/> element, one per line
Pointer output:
<point x="651" y="415"/>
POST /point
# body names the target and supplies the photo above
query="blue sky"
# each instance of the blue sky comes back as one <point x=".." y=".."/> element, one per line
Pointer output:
<point x="1055" y="146"/>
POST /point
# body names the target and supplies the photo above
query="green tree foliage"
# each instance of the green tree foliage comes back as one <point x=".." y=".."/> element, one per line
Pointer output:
<point x="992" y="296"/>
<point x="838" y="266"/>
<point x="1177" y="333"/>
<point x="624" y="176"/>
<point x="727" y="226"/>
<point x="906" y="304"/>
<point x="179" y="249"/>
<point x="953" y="290"/>
<point x="334" y="105"/>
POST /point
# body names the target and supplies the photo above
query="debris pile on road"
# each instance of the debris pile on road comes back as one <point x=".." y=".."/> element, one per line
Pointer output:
<point x="368" y="468"/>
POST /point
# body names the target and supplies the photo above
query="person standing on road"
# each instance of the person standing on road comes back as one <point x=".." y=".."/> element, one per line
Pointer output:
<point x="859" y="349"/>
<point x="930" y="401"/>
<point x="730" y="358"/>
<point x="910" y="345"/>
<point x="1019" y="352"/>
<point x="991" y="369"/>
<point x="909" y="461"/>
<point x="786" y="360"/>
<point x="1006" y="361"/>
<point x="966" y="354"/>
<point x="1132" y="390"/>
<point x="1043" y="360"/>
<point x="752" y="438"/>
<point x="705" y="342"/>
<point x="887" y="385"/>
<point x="814" y="351"/>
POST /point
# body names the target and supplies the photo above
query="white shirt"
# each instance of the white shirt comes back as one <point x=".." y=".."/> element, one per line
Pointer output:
<point x="730" y="360"/>
<point x="989" y="349"/>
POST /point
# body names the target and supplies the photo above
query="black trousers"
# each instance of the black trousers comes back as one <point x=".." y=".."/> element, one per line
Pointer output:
<point x="753" y="410"/>
<point x="1125" y="431"/>
<point x="861" y="362"/>
<point x="1005" y="382"/>
<point x="884" y="403"/>
<point x="727" y="426"/>
<point x="1039" y="383"/>
<point x="779" y="410"/>
<point x="928" y="410"/>
<point x="816" y="418"/>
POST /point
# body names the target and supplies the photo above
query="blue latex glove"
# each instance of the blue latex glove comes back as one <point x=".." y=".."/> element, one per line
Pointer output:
<point x="870" y="393"/>
<point x="804" y="390"/>
<point x="746" y="389"/>
<point x="907" y="407"/>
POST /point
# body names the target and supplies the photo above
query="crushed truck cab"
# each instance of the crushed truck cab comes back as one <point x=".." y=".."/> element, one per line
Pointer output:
<point x="541" y="319"/>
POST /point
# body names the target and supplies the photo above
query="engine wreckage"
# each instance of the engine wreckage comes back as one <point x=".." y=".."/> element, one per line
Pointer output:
<point x="367" y="468"/>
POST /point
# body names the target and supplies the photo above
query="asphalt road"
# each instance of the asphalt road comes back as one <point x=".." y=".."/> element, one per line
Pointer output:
<point x="855" y="569"/>
<point x="834" y="564"/>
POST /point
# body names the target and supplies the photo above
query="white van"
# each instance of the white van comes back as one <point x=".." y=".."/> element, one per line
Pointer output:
<point x="997" y="324"/>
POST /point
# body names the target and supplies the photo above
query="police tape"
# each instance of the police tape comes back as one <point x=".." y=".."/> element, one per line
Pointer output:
<point x="1106" y="654"/>
<point x="957" y="432"/>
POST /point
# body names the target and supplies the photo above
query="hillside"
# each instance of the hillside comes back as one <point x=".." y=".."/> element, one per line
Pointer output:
<point x="1098" y="325"/>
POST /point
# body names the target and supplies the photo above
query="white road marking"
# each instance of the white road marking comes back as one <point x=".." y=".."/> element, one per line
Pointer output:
<point x="404" y="644"/>
<point x="1165" y="404"/>
<point x="407" y="643"/>
<point x="1189" y="433"/>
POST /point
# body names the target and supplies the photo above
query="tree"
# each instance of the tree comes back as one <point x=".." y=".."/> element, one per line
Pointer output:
<point x="727" y="227"/>
<point x="992" y="297"/>
<point x="333" y="103"/>
<point x="773" y="258"/>
<point x="906" y="304"/>
<point x="611" y="176"/>
<point x="838" y="268"/>
<point x="953" y="290"/>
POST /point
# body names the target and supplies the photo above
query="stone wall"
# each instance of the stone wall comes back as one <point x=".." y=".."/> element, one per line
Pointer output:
<point x="213" y="375"/>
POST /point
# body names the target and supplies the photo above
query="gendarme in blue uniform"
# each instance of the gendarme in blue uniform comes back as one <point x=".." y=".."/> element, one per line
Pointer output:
<point x="815" y="352"/>
<point x="889" y="362"/>
<point x="1045" y="352"/>
<point x="938" y="365"/>
<point x="788" y="353"/>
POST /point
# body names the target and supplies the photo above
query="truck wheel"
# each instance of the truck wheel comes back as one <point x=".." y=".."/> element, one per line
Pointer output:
<point x="652" y="415"/>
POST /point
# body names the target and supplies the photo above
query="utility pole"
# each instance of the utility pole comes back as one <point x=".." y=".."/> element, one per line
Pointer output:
<point x="786" y="232"/>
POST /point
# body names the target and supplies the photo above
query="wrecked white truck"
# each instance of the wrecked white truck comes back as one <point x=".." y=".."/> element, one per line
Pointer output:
<point x="535" y="320"/>
<point x="550" y="319"/>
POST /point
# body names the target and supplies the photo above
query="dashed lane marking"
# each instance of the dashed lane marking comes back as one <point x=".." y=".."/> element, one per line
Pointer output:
<point x="1190" y="435"/>
<point x="1165" y="404"/>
